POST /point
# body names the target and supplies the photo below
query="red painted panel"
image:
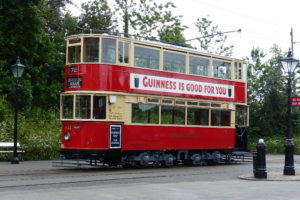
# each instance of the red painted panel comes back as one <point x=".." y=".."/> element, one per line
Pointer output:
<point x="95" y="136"/>
<point x="117" y="78"/>
<point x="157" y="137"/>
<point x="86" y="135"/>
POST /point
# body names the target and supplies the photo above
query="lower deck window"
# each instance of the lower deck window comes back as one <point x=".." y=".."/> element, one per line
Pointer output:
<point x="172" y="115"/>
<point x="82" y="109"/>
<point x="241" y="115"/>
<point x="67" y="107"/>
<point x="99" y="107"/>
<point x="197" y="116"/>
<point x="220" y="117"/>
<point x="145" y="113"/>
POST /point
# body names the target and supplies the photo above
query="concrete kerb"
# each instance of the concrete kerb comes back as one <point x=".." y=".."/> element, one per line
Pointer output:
<point x="272" y="176"/>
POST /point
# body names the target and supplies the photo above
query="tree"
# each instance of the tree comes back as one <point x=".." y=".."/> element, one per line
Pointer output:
<point x="173" y="35"/>
<point x="211" y="40"/>
<point x="145" y="17"/>
<point x="267" y="94"/>
<point x="96" y="16"/>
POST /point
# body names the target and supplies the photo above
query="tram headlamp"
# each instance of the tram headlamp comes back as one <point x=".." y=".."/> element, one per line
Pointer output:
<point x="67" y="136"/>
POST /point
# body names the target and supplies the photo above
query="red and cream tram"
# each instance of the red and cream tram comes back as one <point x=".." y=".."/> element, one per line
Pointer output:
<point x="133" y="102"/>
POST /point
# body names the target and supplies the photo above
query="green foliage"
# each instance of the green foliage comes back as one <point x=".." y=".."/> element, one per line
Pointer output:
<point x="173" y="35"/>
<point x="96" y="16"/>
<point x="267" y="95"/>
<point x="211" y="40"/>
<point x="274" y="144"/>
<point x="38" y="134"/>
<point x="146" y="17"/>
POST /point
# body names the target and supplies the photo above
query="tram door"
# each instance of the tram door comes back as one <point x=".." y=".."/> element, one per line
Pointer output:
<point x="241" y="131"/>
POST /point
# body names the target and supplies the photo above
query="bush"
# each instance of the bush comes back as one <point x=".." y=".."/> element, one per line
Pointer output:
<point x="38" y="134"/>
<point x="274" y="144"/>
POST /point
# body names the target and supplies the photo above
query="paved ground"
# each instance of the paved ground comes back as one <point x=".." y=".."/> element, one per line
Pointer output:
<point x="38" y="180"/>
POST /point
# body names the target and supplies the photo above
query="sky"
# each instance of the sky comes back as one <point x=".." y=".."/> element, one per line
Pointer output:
<point x="263" y="22"/>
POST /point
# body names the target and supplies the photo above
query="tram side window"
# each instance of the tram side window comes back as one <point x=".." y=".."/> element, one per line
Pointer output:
<point x="221" y="69"/>
<point x="99" y="107"/>
<point x="241" y="116"/>
<point x="146" y="57"/>
<point x="82" y="107"/>
<point x="91" y="50"/>
<point x="108" y="50"/>
<point x="172" y="115"/>
<point x="174" y="62"/>
<point x="220" y="117"/>
<point x="199" y="66"/>
<point x="67" y="107"/>
<point x="197" y="116"/>
<point x="238" y="70"/>
<point x="145" y="113"/>
<point x="123" y="52"/>
<point x="74" y="54"/>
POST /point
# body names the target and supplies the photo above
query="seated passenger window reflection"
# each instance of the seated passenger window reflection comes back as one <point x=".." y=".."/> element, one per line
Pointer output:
<point x="99" y="107"/>
<point x="221" y="69"/>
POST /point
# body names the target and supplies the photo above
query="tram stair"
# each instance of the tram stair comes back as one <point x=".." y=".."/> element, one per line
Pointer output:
<point x="73" y="163"/>
<point x="242" y="156"/>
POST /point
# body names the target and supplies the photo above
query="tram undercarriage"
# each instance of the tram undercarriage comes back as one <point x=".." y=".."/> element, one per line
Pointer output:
<point x="116" y="158"/>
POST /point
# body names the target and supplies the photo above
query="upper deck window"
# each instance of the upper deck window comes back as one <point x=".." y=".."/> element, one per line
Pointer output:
<point x="108" y="50"/>
<point x="74" y="54"/>
<point x="91" y="50"/>
<point x="221" y="69"/>
<point x="238" y="70"/>
<point x="174" y="62"/>
<point x="199" y="66"/>
<point x="146" y="57"/>
<point x="123" y="52"/>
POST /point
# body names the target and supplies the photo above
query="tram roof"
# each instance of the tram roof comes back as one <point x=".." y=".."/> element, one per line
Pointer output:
<point x="157" y="43"/>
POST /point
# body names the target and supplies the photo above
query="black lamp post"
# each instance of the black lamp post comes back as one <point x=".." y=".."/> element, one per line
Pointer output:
<point x="289" y="65"/>
<point x="17" y="70"/>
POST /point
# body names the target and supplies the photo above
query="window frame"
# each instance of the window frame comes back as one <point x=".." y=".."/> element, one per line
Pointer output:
<point x="201" y="57"/>
<point x="185" y="54"/>
<point x="146" y="47"/>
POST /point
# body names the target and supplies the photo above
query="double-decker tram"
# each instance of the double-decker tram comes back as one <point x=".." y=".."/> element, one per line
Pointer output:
<point x="131" y="102"/>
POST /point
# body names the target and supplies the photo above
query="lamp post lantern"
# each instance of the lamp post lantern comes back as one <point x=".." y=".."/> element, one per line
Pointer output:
<point x="17" y="70"/>
<point x="289" y="65"/>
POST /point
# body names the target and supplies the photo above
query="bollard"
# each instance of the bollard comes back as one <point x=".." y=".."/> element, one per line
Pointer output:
<point x="259" y="164"/>
<point x="254" y="153"/>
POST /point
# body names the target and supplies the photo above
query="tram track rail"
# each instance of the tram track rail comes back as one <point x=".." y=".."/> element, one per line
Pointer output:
<point x="66" y="178"/>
